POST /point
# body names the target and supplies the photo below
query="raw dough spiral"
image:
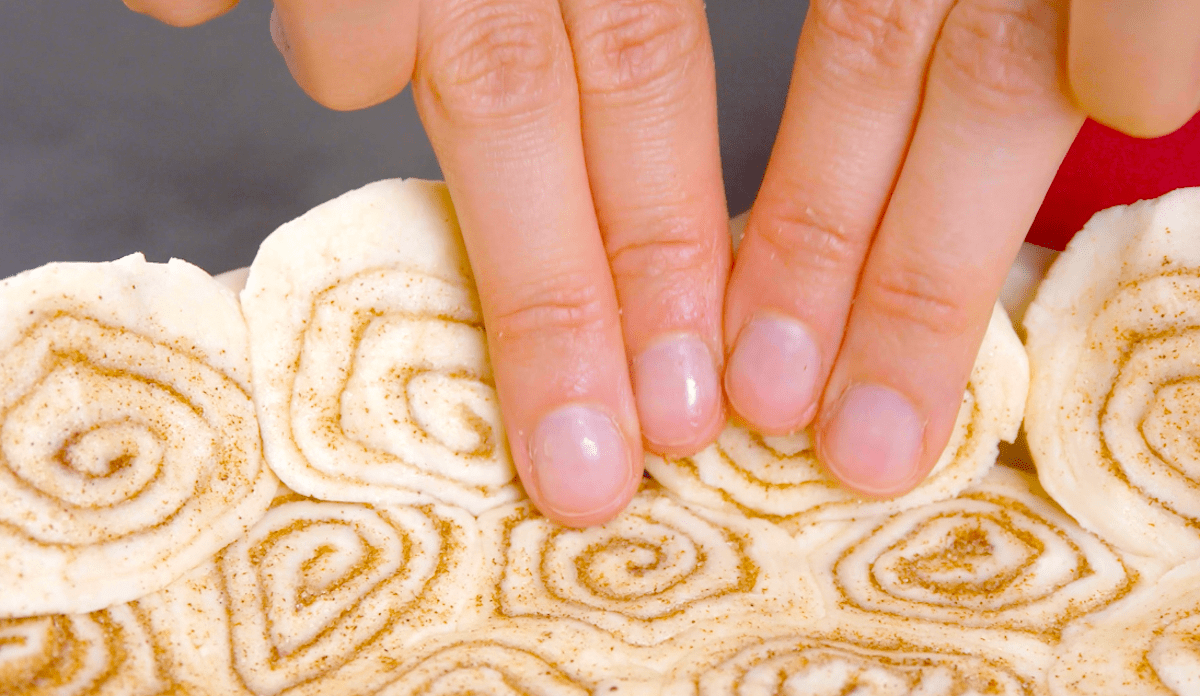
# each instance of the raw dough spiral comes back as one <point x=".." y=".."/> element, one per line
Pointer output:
<point x="129" y="449"/>
<point x="1114" y="409"/>
<point x="319" y="597"/>
<point x="1148" y="644"/>
<point x="816" y="664"/>
<point x="371" y="373"/>
<point x="106" y="653"/>
<point x="658" y="570"/>
<point x="996" y="558"/>
<point x="485" y="668"/>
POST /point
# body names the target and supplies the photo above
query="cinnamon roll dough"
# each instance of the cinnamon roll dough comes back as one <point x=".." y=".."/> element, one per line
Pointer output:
<point x="1147" y="644"/>
<point x="371" y="374"/>
<point x="105" y="653"/>
<point x="319" y="597"/>
<point x="1113" y="417"/>
<point x="129" y="448"/>
<point x="998" y="558"/>
<point x="402" y="557"/>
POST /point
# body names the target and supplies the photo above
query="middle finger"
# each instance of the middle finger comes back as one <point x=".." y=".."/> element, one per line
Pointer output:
<point x="649" y="110"/>
<point x="853" y="101"/>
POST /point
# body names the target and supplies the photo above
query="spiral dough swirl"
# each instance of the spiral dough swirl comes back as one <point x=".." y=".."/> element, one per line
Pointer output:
<point x="320" y="596"/>
<point x="1148" y="644"/>
<point x="485" y="669"/>
<point x="370" y="362"/>
<point x="996" y="557"/>
<point x="106" y="653"/>
<point x="655" y="571"/>
<point x="803" y="665"/>
<point x="1114" y="417"/>
<point x="129" y="451"/>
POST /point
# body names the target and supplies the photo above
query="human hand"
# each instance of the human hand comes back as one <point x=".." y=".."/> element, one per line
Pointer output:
<point x="917" y="143"/>
<point x="579" y="142"/>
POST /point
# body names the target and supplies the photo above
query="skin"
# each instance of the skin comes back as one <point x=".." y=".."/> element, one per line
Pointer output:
<point x="579" y="142"/>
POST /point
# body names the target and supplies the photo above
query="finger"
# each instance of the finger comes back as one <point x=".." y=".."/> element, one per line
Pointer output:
<point x="649" y="115"/>
<point x="350" y="54"/>
<point x="995" y="123"/>
<point x="182" y="13"/>
<point x="496" y="89"/>
<point x="850" y="111"/>
<point x="1135" y="66"/>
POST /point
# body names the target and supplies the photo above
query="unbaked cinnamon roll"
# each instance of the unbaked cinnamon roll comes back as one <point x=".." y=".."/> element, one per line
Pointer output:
<point x="823" y="662"/>
<point x="1148" y="644"/>
<point x="998" y="558"/>
<point x="318" y="598"/>
<point x="105" y="653"/>
<point x="370" y="365"/>
<point x="656" y="577"/>
<point x="129" y="448"/>
<point x="1114" y="410"/>
<point x="486" y="668"/>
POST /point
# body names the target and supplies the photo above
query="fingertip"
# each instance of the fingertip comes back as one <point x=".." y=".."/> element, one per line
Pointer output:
<point x="773" y="373"/>
<point x="348" y="56"/>
<point x="584" y="469"/>
<point x="871" y="441"/>
<point x="1135" y="67"/>
<point x="1135" y="118"/>
<point x="181" y="14"/>
<point x="678" y="394"/>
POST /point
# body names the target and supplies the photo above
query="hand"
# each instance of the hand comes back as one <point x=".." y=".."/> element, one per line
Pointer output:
<point x="918" y="140"/>
<point x="579" y="142"/>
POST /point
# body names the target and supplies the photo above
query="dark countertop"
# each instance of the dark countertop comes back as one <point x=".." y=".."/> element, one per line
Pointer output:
<point x="118" y="134"/>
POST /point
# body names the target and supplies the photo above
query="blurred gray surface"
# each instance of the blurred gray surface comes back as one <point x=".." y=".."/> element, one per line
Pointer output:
<point x="118" y="134"/>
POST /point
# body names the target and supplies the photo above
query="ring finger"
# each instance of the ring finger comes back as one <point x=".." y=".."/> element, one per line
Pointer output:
<point x="995" y="123"/>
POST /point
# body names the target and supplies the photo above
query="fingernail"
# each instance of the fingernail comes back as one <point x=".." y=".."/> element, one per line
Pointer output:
<point x="581" y="463"/>
<point x="873" y="440"/>
<point x="675" y="383"/>
<point x="772" y="375"/>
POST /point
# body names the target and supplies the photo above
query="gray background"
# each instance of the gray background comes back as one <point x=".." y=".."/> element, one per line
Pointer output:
<point x="118" y="134"/>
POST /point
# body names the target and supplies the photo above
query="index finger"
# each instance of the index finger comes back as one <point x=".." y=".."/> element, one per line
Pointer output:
<point x="495" y="86"/>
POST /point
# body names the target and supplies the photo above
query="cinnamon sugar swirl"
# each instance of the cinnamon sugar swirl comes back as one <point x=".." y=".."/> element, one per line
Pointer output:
<point x="105" y="653"/>
<point x="865" y="660"/>
<point x="998" y="558"/>
<point x="657" y="572"/>
<point x="129" y="449"/>
<point x="1148" y="644"/>
<point x="1114" y="411"/>
<point x="319" y="597"/>
<point x="370" y="365"/>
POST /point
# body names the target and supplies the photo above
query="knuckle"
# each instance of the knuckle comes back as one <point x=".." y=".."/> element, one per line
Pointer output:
<point x="494" y="61"/>
<point x="874" y="36"/>
<point x="923" y="298"/>
<point x="554" y="311"/>
<point x="629" y="45"/>
<point x="667" y="260"/>
<point x="1004" y="54"/>
<point x="808" y="241"/>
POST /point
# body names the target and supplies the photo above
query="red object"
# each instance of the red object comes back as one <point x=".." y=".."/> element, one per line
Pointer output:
<point x="1106" y="168"/>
